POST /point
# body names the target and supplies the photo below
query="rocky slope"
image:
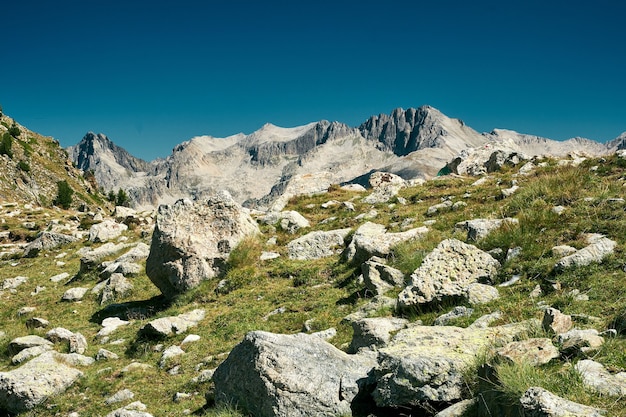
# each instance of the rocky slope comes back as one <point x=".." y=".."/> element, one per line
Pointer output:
<point x="34" y="164"/>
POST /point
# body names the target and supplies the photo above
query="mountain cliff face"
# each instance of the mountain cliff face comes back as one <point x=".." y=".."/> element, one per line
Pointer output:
<point x="256" y="168"/>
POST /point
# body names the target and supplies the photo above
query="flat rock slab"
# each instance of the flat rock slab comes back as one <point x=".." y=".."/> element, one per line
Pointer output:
<point x="31" y="384"/>
<point x="167" y="326"/>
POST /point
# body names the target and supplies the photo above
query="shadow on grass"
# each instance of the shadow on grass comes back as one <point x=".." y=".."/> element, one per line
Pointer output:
<point x="132" y="310"/>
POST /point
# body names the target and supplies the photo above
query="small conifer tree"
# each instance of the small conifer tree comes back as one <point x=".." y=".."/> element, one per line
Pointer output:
<point x="64" y="195"/>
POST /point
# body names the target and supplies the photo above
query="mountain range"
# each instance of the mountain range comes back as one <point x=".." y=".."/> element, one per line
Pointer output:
<point x="256" y="168"/>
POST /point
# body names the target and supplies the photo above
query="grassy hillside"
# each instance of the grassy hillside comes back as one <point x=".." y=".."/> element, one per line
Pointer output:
<point x="281" y="295"/>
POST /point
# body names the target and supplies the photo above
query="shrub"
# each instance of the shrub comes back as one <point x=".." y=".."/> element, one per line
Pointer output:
<point x="14" y="130"/>
<point x="122" y="198"/>
<point x="64" y="195"/>
<point x="23" y="165"/>
<point x="6" y="144"/>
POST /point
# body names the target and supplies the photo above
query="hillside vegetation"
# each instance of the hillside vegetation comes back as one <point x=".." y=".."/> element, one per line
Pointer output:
<point x="289" y="296"/>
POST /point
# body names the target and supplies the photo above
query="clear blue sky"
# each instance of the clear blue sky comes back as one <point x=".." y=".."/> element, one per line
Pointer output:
<point x="151" y="74"/>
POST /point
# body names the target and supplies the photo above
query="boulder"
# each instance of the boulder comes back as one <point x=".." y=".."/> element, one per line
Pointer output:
<point x="116" y="287"/>
<point x="75" y="341"/>
<point x="29" y="353"/>
<point x="316" y="245"/>
<point x="39" y="379"/>
<point x="121" y="395"/>
<point x="379" y="278"/>
<point x="597" y="249"/>
<point x="556" y="322"/>
<point x="109" y="325"/>
<point x="47" y="241"/>
<point x="91" y="258"/>
<point x="166" y="326"/>
<point x="121" y="213"/>
<point x="385" y="185"/>
<point x="299" y="375"/>
<point x="125" y="412"/>
<point x="477" y="293"/>
<point x="20" y="343"/>
<point x="447" y="272"/>
<point x="479" y="228"/>
<point x="191" y="241"/>
<point x="427" y="363"/>
<point x="598" y="379"/>
<point x="372" y="239"/>
<point x="105" y="231"/>
<point x="538" y="402"/>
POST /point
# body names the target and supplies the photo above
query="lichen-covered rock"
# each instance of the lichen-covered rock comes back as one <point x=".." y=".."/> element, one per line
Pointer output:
<point x="455" y="313"/>
<point x="74" y="294"/>
<point x="479" y="228"/>
<point x="538" y="402"/>
<point x="459" y="409"/>
<point x="579" y="341"/>
<point x="597" y="249"/>
<point x="427" y="363"/>
<point x="318" y="244"/>
<point x="298" y="375"/>
<point x="534" y="352"/>
<point x="375" y="331"/>
<point x="447" y="272"/>
<point x="34" y="382"/>
<point x="191" y="241"/>
<point x="477" y="293"/>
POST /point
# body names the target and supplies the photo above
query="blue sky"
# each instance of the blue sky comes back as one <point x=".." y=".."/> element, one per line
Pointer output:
<point x="152" y="74"/>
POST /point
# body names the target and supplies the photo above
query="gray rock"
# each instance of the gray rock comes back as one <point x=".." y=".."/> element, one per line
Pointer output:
<point x="76" y="359"/>
<point x="578" y="341"/>
<point x="289" y="221"/>
<point x="455" y="313"/>
<point x="104" y="354"/>
<point x="290" y="375"/>
<point x="47" y="241"/>
<point x="356" y="188"/>
<point x="427" y="363"/>
<point x="372" y="239"/>
<point x="507" y="192"/>
<point x="138" y="253"/>
<point x="385" y="185"/>
<point x="115" y="288"/>
<point x="479" y="228"/>
<point x="538" y="402"/>
<point x="91" y="258"/>
<point x="29" y="353"/>
<point x="166" y="326"/>
<point x="555" y="321"/>
<point x="109" y="325"/>
<point x="37" y="323"/>
<point x="125" y="412"/>
<point x="60" y="277"/>
<point x="372" y="308"/>
<point x="105" y="231"/>
<point x="169" y="353"/>
<point x="486" y="320"/>
<point x="436" y="208"/>
<point x="598" y="379"/>
<point x="374" y="332"/>
<point x="266" y="256"/>
<point x="447" y="272"/>
<point x="121" y="395"/>
<point x="124" y="268"/>
<point x="20" y="343"/>
<point x="534" y="352"/>
<point x="316" y="245"/>
<point x="13" y="283"/>
<point x="379" y="278"/>
<point x="597" y="249"/>
<point x="33" y="383"/>
<point x="191" y="241"/>
<point x="74" y="294"/>
<point x="477" y="293"/>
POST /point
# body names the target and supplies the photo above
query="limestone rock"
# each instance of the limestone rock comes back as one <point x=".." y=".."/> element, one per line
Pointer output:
<point x="538" y="402"/>
<point x="436" y="208"/>
<point x="191" y="241"/>
<point x="374" y="331"/>
<point x="289" y="221"/>
<point x="372" y="239"/>
<point x="91" y="258"/>
<point x="479" y="228"/>
<point x="290" y="375"/>
<point x="318" y="244"/>
<point x="20" y="343"/>
<point x="385" y="185"/>
<point x="380" y="278"/>
<point x="169" y="353"/>
<point x="597" y="249"/>
<point x="563" y="250"/>
<point x="74" y="294"/>
<point x="426" y="363"/>
<point x="104" y="354"/>
<point x="29" y="353"/>
<point x="534" y="352"/>
<point x="37" y="323"/>
<point x="13" y="283"/>
<point x="598" y="379"/>
<point x="31" y="384"/>
<point x="578" y="341"/>
<point x="166" y="326"/>
<point x="447" y="272"/>
<point x="459" y="409"/>
<point x="109" y="325"/>
<point x="455" y="313"/>
<point x="555" y="321"/>
<point x="125" y="412"/>
<point x="105" y="231"/>
<point x="122" y="395"/>
<point x="477" y="293"/>
<point x="47" y="241"/>
<point x="116" y="287"/>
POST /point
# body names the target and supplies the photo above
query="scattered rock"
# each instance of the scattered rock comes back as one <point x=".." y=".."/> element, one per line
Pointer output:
<point x="20" y="343"/>
<point x="538" y="402"/>
<point x="167" y="326"/>
<point x="109" y="325"/>
<point x="169" y="353"/>
<point x="31" y="384"/>
<point x="91" y="258"/>
<point x="266" y="256"/>
<point x="447" y="272"/>
<point x="434" y="209"/>
<point x="13" y="283"/>
<point x="555" y="321"/>
<point x="289" y="221"/>
<point x="385" y="185"/>
<point x="455" y="313"/>
<point x="374" y="332"/>
<point x="290" y="375"/>
<point x="191" y="241"/>
<point x="357" y="188"/>
<point x="122" y="395"/>
<point x="598" y="248"/>
<point x="29" y="353"/>
<point x="74" y="294"/>
<point x="598" y="379"/>
<point x="104" y="354"/>
<point x="486" y="320"/>
<point x="575" y="342"/>
<point x="477" y="293"/>
<point x="459" y="409"/>
<point x="115" y="288"/>
<point x="379" y="278"/>
<point x="316" y="245"/>
<point x="125" y="412"/>
<point x="534" y="352"/>
<point x="479" y="228"/>
<point x="37" y="323"/>
<point x="191" y="338"/>
<point x="372" y="239"/>
<point x="47" y="241"/>
<point x="60" y="277"/>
